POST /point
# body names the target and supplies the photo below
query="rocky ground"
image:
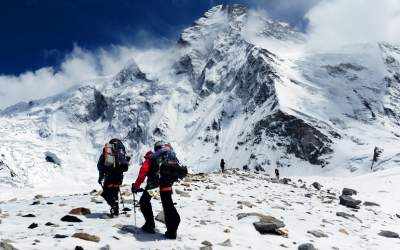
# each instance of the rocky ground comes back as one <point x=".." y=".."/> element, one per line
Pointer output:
<point x="237" y="210"/>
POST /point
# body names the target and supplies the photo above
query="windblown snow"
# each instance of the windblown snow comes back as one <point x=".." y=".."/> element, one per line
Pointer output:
<point x="237" y="86"/>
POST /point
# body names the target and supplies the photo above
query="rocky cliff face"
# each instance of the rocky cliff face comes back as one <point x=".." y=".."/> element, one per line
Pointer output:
<point x="223" y="97"/>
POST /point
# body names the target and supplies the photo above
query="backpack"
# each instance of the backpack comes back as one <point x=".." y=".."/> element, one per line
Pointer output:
<point x="115" y="156"/>
<point x="170" y="168"/>
<point x="166" y="169"/>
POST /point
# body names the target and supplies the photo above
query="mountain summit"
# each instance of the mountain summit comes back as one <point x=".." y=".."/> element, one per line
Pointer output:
<point x="240" y="87"/>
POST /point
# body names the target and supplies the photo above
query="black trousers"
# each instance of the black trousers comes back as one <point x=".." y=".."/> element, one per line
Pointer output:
<point x="172" y="218"/>
<point x="110" y="195"/>
<point x="147" y="210"/>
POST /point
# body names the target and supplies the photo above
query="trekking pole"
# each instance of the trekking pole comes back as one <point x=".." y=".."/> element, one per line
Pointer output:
<point x="122" y="199"/>
<point x="134" y="206"/>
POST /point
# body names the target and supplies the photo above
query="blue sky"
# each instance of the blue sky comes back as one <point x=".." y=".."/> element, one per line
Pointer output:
<point x="40" y="33"/>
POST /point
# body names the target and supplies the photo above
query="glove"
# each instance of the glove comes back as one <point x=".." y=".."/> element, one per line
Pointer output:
<point x="134" y="189"/>
<point x="100" y="180"/>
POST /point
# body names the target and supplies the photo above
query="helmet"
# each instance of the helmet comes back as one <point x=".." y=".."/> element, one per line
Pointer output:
<point x="158" y="145"/>
<point x="148" y="155"/>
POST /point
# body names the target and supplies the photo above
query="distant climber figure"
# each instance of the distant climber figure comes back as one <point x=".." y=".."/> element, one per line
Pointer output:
<point x="377" y="153"/>
<point x="222" y="165"/>
<point x="277" y="173"/>
<point x="111" y="165"/>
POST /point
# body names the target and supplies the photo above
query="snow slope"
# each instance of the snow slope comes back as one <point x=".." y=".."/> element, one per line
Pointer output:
<point x="209" y="209"/>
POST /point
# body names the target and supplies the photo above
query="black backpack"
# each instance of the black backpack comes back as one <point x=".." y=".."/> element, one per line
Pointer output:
<point x="165" y="169"/>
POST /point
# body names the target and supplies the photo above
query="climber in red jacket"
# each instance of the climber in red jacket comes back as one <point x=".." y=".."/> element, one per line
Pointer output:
<point x="145" y="205"/>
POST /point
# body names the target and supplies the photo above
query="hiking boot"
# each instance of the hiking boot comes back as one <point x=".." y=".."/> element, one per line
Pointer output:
<point x="170" y="235"/>
<point x="114" y="211"/>
<point x="148" y="229"/>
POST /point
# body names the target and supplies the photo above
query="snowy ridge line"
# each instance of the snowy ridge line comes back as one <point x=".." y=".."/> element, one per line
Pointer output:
<point x="228" y="91"/>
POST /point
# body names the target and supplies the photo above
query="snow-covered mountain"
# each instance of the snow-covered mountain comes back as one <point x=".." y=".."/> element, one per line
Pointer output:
<point x="241" y="87"/>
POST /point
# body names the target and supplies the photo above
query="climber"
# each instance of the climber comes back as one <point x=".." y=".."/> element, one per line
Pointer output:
<point x="222" y="165"/>
<point x="161" y="170"/>
<point x="277" y="173"/>
<point x="112" y="163"/>
<point x="144" y="202"/>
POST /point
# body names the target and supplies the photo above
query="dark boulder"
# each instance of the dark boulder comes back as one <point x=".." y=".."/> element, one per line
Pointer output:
<point x="60" y="236"/>
<point x="388" y="234"/>
<point x="70" y="218"/>
<point x="371" y="204"/>
<point x="349" y="191"/>
<point x="306" y="246"/>
<point x="347" y="201"/>
<point x="317" y="186"/>
<point x="29" y="215"/>
<point x="33" y="225"/>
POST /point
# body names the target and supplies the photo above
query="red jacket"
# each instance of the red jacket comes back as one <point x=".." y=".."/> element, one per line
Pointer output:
<point x="144" y="169"/>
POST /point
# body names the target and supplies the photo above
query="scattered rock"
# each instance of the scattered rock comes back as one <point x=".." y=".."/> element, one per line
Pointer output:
<point x="29" y="215"/>
<point x="306" y="246"/>
<point x="85" y="236"/>
<point x="35" y="203"/>
<point x="160" y="217"/>
<point x="308" y="195"/>
<point x="52" y="158"/>
<point x="49" y="224"/>
<point x="227" y="230"/>
<point x="347" y="216"/>
<point x="226" y="243"/>
<point x="206" y="243"/>
<point x="106" y="247"/>
<point x="182" y="193"/>
<point x="70" y="218"/>
<point x="347" y="201"/>
<point x="317" y="233"/>
<point x="246" y="203"/>
<point x="349" y="191"/>
<point x="317" y="186"/>
<point x="206" y="248"/>
<point x="285" y="181"/>
<point x="268" y="225"/>
<point x="78" y="248"/>
<point x="33" y="225"/>
<point x="6" y="245"/>
<point x="371" y="204"/>
<point x="398" y="216"/>
<point x="38" y="197"/>
<point x="60" y="236"/>
<point x="342" y="230"/>
<point x="80" y="211"/>
<point x="282" y="232"/>
<point x="388" y="234"/>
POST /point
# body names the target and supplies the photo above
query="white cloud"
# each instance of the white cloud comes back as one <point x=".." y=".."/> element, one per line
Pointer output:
<point x="335" y="23"/>
<point x="80" y="65"/>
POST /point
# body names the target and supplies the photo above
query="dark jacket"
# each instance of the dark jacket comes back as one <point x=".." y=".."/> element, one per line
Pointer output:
<point x="114" y="176"/>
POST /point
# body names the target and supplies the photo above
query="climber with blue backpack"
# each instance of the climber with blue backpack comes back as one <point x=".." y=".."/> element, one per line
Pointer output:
<point x="162" y="169"/>
<point x="112" y="164"/>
